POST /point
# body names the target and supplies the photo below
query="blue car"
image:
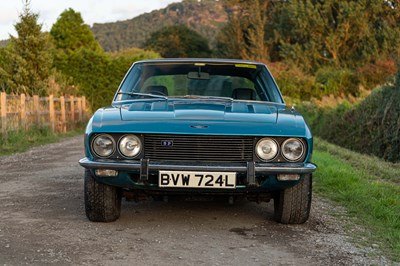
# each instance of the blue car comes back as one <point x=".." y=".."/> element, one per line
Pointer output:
<point x="198" y="127"/>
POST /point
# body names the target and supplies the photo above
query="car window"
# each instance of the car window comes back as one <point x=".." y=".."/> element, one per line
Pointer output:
<point x="237" y="81"/>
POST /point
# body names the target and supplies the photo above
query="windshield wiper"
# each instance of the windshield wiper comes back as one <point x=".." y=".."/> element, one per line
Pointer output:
<point x="205" y="97"/>
<point x="142" y="94"/>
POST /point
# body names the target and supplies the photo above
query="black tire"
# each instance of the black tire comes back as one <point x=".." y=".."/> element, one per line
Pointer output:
<point x="292" y="205"/>
<point x="102" y="202"/>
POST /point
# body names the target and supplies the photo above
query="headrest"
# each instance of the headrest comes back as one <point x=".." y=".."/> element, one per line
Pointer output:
<point x="244" y="94"/>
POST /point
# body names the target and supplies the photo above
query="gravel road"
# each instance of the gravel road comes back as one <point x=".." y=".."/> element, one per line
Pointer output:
<point x="42" y="222"/>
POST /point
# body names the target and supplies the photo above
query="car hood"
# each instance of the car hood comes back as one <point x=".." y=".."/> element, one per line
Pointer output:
<point x="200" y="111"/>
<point x="200" y="117"/>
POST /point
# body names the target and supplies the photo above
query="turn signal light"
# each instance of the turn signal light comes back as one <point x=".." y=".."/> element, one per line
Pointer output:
<point x="106" y="172"/>
<point x="288" y="177"/>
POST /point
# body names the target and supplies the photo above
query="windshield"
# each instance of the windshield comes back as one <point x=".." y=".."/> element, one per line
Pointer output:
<point x="199" y="80"/>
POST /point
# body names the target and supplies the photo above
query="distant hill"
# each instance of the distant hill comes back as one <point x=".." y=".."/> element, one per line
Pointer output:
<point x="205" y="17"/>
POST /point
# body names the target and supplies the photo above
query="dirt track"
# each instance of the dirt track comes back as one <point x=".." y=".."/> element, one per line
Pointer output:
<point x="42" y="221"/>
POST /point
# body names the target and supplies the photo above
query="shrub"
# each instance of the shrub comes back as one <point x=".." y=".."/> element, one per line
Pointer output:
<point x="372" y="126"/>
<point x="337" y="81"/>
<point x="371" y="75"/>
<point x="293" y="82"/>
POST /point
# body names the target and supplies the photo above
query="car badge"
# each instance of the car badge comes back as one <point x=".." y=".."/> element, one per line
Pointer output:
<point x="167" y="143"/>
<point x="198" y="126"/>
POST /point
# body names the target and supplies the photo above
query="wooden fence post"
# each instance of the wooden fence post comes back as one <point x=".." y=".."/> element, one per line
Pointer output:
<point x="3" y="114"/>
<point x="52" y="113"/>
<point x="84" y="106"/>
<point x="23" y="112"/>
<point x="71" y="98"/>
<point x="79" y="109"/>
<point x="63" y="115"/>
<point x="36" y="108"/>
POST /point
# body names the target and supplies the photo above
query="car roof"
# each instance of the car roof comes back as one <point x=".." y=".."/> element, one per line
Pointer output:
<point x="200" y="60"/>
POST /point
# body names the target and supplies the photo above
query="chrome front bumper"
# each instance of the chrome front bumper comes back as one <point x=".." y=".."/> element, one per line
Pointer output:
<point x="250" y="168"/>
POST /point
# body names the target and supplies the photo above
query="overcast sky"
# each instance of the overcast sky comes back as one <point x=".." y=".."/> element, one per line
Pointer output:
<point x="92" y="11"/>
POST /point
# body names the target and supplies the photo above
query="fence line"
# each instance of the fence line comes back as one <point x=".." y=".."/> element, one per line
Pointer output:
<point x="60" y="114"/>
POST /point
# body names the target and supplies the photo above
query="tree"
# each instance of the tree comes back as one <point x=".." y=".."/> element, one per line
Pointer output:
<point x="348" y="34"/>
<point x="6" y="83"/>
<point x="123" y="59"/>
<point x="70" y="33"/>
<point x="244" y="35"/>
<point x="80" y="58"/>
<point x="30" y="56"/>
<point x="178" y="41"/>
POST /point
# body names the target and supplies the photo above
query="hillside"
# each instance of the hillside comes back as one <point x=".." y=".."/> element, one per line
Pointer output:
<point x="205" y="17"/>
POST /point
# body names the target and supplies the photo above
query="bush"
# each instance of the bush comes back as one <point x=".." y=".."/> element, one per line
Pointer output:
<point x="337" y="81"/>
<point x="372" y="126"/>
<point x="293" y="82"/>
<point x="325" y="122"/>
<point x="381" y="72"/>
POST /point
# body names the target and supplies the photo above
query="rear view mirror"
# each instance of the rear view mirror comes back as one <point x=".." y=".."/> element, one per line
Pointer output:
<point x="198" y="75"/>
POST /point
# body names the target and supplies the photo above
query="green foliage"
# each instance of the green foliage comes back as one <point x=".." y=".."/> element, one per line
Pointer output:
<point x="134" y="54"/>
<point x="244" y="35"/>
<point x="372" y="126"/>
<point x="178" y="41"/>
<point x="122" y="60"/>
<point x="374" y="203"/>
<point x="22" y="140"/>
<point x="293" y="82"/>
<point x="339" y="44"/>
<point x="320" y="119"/>
<point x="6" y="82"/>
<point x="344" y="46"/>
<point x="337" y="81"/>
<point x="337" y="33"/>
<point x="98" y="75"/>
<point x="80" y="57"/>
<point x="26" y="63"/>
<point x="81" y="62"/>
<point x="374" y="74"/>
<point x="92" y="72"/>
<point x="70" y="33"/>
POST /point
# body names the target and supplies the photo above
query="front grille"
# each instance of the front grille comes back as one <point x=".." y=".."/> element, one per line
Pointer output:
<point x="198" y="148"/>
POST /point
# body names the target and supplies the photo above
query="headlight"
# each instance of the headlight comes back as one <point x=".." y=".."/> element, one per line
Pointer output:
<point x="292" y="149"/>
<point x="103" y="145"/>
<point x="130" y="146"/>
<point x="266" y="149"/>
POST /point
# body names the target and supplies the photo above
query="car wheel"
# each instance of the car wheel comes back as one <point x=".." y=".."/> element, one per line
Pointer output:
<point x="292" y="205"/>
<point x="102" y="202"/>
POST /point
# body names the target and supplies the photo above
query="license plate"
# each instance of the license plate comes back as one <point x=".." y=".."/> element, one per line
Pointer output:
<point x="187" y="179"/>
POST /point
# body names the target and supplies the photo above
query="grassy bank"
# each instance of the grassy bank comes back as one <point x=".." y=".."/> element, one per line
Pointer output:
<point x="368" y="187"/>
<point x="20" y="140"/>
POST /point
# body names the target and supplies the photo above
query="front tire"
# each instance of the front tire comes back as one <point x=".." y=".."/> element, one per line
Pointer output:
<point x="102" y="202"/>
<point x="292" y="205"/>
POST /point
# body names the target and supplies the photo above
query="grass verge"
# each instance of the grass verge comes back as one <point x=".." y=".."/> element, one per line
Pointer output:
<point x="22" y="140"/>
<point x="368" y="187"/>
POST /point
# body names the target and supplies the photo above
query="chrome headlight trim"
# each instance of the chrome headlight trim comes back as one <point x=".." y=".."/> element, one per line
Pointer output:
<point x="293" y="154"/>
<point x="130" y="146"/>
<point x="103" y="145"/>
<point x="267" y="149"/>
